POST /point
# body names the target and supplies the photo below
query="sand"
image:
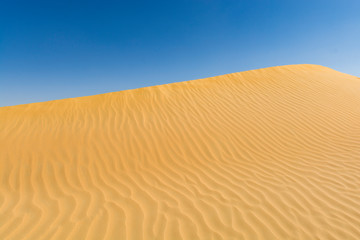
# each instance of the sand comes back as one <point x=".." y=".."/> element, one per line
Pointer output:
<point x="265" y="154"/>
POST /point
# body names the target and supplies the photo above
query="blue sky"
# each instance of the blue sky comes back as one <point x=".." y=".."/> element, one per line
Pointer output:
<point x="59" y="49"/>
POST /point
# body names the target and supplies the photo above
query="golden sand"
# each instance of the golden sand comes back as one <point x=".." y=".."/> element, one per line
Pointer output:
<point x="265" y="154"/>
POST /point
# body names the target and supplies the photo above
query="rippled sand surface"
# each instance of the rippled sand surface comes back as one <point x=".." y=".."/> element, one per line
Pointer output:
<point x="265" y="154"/>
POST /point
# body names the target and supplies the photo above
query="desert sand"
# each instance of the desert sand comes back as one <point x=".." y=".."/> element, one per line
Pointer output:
<point x="272" y="153"/>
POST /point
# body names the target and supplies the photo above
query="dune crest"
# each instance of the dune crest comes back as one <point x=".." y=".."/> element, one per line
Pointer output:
<point x="272" y="153"/>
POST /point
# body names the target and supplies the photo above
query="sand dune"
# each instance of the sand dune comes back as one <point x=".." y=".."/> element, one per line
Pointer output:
<point x="265" y="154"/>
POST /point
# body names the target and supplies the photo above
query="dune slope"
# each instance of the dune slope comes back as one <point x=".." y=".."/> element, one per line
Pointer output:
<point x="265" y="154"/>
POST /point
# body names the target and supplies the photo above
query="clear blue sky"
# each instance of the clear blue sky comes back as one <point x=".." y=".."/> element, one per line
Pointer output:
<point x="59" y="49"/>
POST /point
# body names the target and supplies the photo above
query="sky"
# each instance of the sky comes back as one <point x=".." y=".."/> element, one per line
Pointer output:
<point x="60" y="49"/>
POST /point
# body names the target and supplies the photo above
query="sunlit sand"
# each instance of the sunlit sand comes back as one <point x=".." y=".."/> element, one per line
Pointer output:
<point x="265" y="154"/>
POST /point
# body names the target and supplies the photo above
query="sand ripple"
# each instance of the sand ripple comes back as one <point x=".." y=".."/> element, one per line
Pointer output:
<point x="266" y="154"/>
